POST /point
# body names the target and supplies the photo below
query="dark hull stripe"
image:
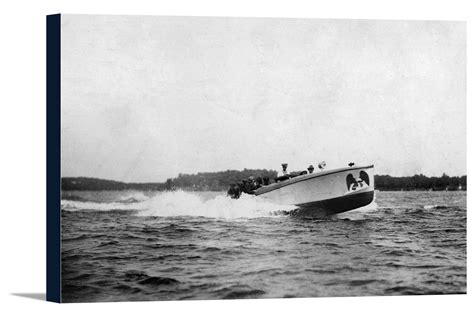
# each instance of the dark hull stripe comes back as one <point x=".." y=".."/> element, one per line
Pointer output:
<point x="335" y="205"/>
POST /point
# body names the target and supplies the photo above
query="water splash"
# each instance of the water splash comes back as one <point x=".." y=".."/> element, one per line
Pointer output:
<point x="72" y="205"/>
<point x="181" y="203"/>
<point x="133" y="197"/>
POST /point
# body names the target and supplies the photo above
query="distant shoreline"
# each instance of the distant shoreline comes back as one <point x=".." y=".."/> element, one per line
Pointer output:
<point x="220" y="181"/>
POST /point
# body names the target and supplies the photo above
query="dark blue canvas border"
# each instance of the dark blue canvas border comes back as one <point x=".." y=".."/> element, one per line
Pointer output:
<point x="53" y="158"/>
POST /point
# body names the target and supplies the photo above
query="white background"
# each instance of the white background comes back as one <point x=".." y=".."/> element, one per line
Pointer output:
<point x="23" y="154"/>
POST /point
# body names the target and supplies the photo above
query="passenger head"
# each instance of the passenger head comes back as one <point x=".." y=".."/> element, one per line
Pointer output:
<point x="284" y="166"/>
<point x="322" y="165"/>
<point x="310" y="168"/>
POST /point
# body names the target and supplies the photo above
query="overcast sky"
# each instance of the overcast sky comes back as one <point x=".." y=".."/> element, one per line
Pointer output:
<point x="147" y="98"/>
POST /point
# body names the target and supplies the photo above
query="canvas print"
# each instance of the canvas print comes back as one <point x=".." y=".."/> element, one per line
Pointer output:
<point x="246" y="158"/>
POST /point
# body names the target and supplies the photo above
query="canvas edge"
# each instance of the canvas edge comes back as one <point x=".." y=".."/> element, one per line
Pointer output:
<point x="53" y="158"/>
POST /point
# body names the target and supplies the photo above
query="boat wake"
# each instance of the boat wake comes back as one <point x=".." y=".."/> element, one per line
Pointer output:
<point x="181" y="203"/>
<point x="359" y="213"/>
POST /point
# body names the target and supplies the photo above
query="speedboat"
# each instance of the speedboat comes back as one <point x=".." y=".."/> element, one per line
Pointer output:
<point x="325" y="192"/>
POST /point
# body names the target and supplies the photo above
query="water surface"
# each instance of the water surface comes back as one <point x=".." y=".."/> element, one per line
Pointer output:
<point x="120" y="246"/>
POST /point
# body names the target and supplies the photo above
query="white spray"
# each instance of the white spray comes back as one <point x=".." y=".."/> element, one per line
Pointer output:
<point x="181" y="203"/>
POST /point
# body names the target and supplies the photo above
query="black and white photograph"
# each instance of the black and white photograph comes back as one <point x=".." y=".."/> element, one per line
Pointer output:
<point x="215" y="158"/>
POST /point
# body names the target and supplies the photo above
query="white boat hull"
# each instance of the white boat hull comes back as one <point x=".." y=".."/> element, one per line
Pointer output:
<point x="325" y="192"/>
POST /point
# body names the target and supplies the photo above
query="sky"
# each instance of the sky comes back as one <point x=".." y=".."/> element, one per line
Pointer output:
<point x="144" y="98"/>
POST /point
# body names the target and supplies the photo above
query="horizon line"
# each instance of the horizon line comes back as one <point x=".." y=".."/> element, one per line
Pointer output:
<point x="148" y="182"/>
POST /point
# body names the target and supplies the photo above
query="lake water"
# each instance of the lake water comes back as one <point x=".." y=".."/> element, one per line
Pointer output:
<point x="130" y="246"/>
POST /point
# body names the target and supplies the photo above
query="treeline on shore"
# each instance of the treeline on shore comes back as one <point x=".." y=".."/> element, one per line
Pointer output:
<point x="202" y="181"/>
<point x="420" y="182"/>
<point x="220" y="181"/>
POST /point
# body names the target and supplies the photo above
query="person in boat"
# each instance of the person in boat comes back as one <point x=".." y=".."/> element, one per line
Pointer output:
<point x="244" y="186"/>
<point x="230" y="192"/>
<point x="248" y="185"/>
<point x="237" y="191"/>
<point x="266" y="180"/>
<point x="310" y="169"/>
<point x="284" y="174"/>
<point x="234" y="191"/>
<point x="322" y="165"/>
<point x="251" y="185"/>
<point x="284" y="171"/>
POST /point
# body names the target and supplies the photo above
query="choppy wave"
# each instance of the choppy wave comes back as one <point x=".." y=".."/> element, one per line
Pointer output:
<point x="359" y="213"/>
<point x="181" y="203"/>
<point x="435" y="207"/>
<point x="407" y="243"/>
